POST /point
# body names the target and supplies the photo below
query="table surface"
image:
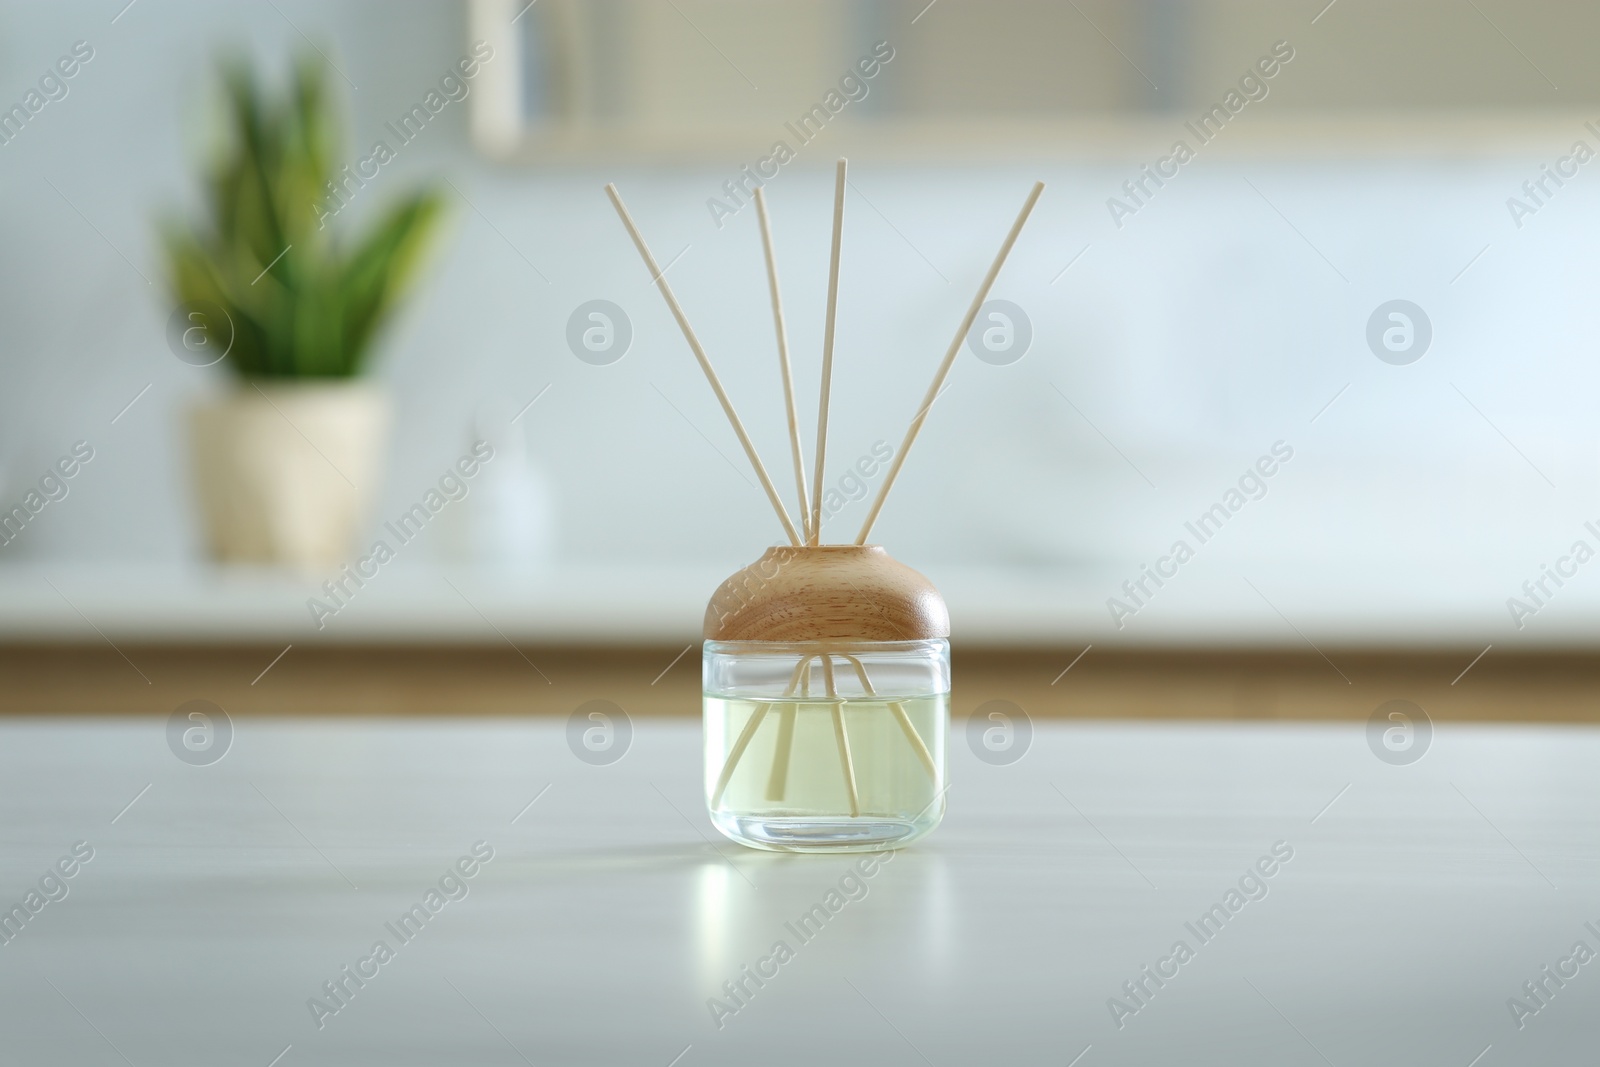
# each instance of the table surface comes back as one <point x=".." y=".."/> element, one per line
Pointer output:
<point x="221" y="898"/>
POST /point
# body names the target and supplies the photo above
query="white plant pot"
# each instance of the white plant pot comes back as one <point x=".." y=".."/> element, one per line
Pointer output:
<point x="285" y="472"/>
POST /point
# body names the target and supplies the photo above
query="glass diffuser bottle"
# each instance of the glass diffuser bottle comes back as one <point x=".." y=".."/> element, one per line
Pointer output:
<point x="827" y="698"/>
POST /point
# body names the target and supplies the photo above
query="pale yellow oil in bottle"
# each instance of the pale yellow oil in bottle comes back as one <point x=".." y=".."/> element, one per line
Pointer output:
<point x="789" y="788"/>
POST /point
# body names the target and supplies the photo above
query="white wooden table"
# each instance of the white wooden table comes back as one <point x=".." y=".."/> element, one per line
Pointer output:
<point x="1418" y="900"/>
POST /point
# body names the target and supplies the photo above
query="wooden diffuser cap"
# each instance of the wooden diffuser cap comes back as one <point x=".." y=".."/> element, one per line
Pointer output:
<point x="826" y="593"/>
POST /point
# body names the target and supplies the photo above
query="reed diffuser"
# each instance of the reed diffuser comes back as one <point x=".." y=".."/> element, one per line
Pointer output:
<point x="827" y="667"/>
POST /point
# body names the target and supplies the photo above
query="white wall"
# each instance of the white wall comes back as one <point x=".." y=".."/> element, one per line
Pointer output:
<point x="1193" y="338"/>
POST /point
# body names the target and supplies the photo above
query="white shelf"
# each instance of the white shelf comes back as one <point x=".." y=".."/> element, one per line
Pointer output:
<point x="583" y="605"/>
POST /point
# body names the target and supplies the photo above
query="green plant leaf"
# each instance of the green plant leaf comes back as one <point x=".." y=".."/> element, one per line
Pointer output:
<point x="264" y="250"/>
<point x="384" y="266"/>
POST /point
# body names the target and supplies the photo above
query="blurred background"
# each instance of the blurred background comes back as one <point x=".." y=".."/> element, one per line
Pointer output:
<point x="1367" y="268"/>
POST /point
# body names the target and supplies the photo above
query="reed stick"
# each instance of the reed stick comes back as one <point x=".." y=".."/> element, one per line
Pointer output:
<point x="843" y="740"/>
<point x="827" y="354"/>
<point x="743" y="741"/>
<point x="906" y="725"/>
<point x="778" y="779"/>
<point x="705" y="363"/>
<point x="783" y="362"/>
<point x="736" y="753"/>
<point x="949" y="360"/>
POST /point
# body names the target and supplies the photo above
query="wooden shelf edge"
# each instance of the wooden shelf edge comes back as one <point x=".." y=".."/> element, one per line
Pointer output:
<point x="650" y="680"/>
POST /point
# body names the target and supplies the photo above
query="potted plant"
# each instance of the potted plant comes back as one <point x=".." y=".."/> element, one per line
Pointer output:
<point x="286" y="462"/>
